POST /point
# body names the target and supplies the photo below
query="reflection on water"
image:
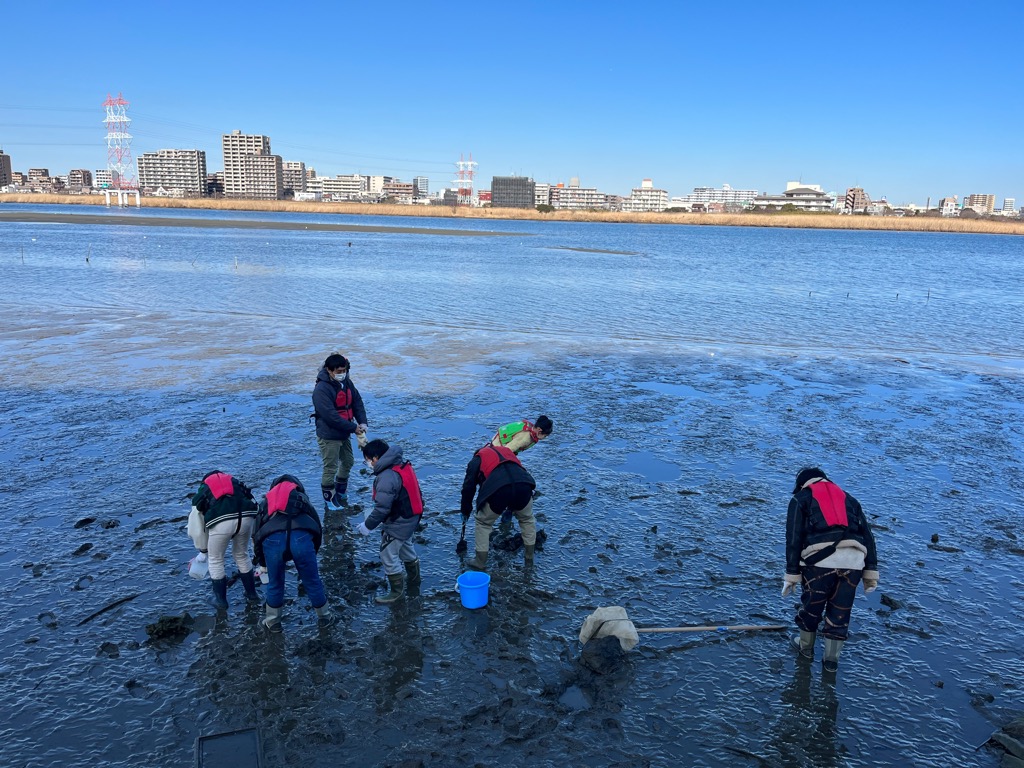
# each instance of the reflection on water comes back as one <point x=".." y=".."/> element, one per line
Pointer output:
<point x="663" y="489"/>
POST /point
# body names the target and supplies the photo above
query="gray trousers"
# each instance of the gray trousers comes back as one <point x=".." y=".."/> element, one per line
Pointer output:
<point x="393" y="553"/>
<point x="485" y="517"/>
<point x="337" y="458"/>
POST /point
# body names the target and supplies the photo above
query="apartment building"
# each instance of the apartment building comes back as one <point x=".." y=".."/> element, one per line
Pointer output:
<point x="400" y="191"/>
<point x="513" y="192"/>
<point x="733" y="199"/>
<point x="293" y="176"/>
<point x="375" y="184"/>
<point x="250" y="170"/>
<point x="541" y="194"/>
<point x="856" y="200"/>
<point x="577" y="198"/>
<point x="38" y="175"/>
<point x="341" y="187"/>
<point x="177" y="172"/>
<point x="948" y="207"/>
<point x="79" y="179"/>
<point x="1009" y="206"/>
<point x="102" y="178"/>
<point x="981" y="203"/>
<point x="5" y="170"/>
<point x="215" y="184"/>
<point x="420" y="187"/>
<point x="646" y="199"/>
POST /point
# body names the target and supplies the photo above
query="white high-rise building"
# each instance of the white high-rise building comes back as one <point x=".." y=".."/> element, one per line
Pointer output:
<point x="727" y="195"/>
<point x="646" y="199"/>
<point x="1009" y="206"/>
<point x="293" y="176"/>
<point x="176" y="171"/>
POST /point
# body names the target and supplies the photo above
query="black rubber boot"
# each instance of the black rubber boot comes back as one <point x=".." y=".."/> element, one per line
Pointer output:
<point x="479" y="562"/>
<point x="220" y="593"/>
<point x="830" y="658"/>
<point x="249" y="582"/>
<point x="412" y="573"/>
<point x="528" y="552"/>
<point x="397" y="582"/>
<point x="804" y="643"/>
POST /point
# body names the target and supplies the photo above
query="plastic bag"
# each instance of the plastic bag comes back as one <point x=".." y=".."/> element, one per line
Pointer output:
<point x="197" y="529"/>
<point x="362" y="440"/>
<point x="199" y="567"/>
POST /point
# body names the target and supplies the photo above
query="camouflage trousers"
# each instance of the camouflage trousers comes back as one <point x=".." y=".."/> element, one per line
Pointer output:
<point x="828" y="594"/>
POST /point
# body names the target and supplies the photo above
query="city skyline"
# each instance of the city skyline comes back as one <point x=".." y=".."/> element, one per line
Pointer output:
<point x="910" y="106"/>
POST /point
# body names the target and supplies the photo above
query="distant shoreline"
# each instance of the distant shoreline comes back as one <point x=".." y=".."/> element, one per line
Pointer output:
<point x="167" y="221"/>
<point x="780" y="220"/>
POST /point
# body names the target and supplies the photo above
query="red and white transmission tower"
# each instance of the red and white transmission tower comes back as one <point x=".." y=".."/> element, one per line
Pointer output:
<point x="464" y="182"/>
<point x="119" y="144"/>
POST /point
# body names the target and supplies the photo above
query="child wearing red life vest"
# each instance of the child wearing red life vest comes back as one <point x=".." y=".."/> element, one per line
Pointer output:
<point x="397" y="509"/>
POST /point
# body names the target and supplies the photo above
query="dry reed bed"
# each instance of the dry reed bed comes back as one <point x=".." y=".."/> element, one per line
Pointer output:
<point x="790" y="221"/>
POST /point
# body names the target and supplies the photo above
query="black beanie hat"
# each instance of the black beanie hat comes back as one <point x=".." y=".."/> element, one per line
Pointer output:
<point x="805" y="474"/>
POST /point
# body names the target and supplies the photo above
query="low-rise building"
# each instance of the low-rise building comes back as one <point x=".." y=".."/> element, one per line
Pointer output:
<point x="732" y="199"/>
<point x="803" y="197"/>
<point x="577" y="198"/>
<point x="949" y="207"/>
<point x="856" y="201"/>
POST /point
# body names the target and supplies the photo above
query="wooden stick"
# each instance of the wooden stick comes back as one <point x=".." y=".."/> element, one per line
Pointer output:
<point x="736" y="628"/>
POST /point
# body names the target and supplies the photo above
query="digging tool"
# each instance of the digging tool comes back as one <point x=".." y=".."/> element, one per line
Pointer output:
<point x="461" y="547"/>
<point x="614" y="621"/>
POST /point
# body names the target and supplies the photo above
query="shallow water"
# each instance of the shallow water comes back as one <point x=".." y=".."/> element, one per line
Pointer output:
<point x="687" y="383"/>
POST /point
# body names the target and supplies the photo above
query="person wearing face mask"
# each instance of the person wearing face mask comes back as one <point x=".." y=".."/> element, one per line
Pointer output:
<point x="829" y="551"/>
<point x="339" y="413"/>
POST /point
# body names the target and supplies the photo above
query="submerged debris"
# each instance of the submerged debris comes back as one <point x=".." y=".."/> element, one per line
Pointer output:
<point x="171" y="627"/>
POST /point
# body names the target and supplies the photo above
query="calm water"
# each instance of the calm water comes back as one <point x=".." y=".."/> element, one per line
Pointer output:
<point x="689" y="374"/>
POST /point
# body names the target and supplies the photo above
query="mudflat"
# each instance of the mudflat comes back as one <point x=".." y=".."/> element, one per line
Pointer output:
<point x="169" y="221"/>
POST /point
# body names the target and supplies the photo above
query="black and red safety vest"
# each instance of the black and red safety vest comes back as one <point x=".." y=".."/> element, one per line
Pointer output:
<point x="409" y="501"/>
<point x="491" y="457"/>
<point x="277" y="497"/>
<point x="832" y="502"/>
<point x="343" y="403"/>
<point x="220" y="484"/>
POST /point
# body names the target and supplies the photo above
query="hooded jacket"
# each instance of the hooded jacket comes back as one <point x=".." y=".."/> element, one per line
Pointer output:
<point x="808" y="531"/>
<point x="387" y="488"/>
<point x="298" y="514"/>
<point x="329" y="423"/>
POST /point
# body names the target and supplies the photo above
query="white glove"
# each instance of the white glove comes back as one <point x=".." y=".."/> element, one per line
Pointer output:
<point x="789" y="583"/>
<point x="201" y="557"/>
<point x="362" y="530"/>
<point x="870" y="585"/>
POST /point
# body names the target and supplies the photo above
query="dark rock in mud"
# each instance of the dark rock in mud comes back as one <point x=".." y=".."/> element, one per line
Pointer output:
<point x="171" y="627"/>
<point x="1016" y="728"/>
<point x="603" y="655"/>
<point x="85" y="521"/>
<point x="944" y="548"/>
<point x="108" y="524"/>
<point x="891" y="602"/>
<point x="110" y="650"/>
<point x="82" y="549"/>
<point x="935" y="538"/>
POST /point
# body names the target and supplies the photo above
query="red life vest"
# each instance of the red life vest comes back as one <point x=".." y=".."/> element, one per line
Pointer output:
<point x="491" y="457"/>
<point x="409" y="497"/>
<point x="220" y="484"/>
<point x="832" y="500"/>
<point x="343" y="403"/>
<point x="277" y="497"/>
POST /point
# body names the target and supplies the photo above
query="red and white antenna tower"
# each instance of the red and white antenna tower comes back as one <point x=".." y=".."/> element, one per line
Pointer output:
<point x="119" y="144"/>
<point x="464" y="182"/>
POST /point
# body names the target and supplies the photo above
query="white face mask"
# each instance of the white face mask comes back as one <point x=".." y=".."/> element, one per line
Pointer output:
<point x="369" y="465"/>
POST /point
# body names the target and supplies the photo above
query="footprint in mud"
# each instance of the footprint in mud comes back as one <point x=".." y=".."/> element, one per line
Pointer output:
<point x="83" y="582"/>
<point x="48" y="619"/>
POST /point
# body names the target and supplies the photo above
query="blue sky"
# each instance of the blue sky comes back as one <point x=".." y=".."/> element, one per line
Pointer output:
<point x="908" y="100"/>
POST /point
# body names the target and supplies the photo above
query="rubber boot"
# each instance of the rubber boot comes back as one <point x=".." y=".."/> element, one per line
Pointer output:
<point x="397" y="582"/>
<point x="412" y="573"/>
<point x="249" y="582"/>
<point x="329" y="505"/>
<point x="220" y="593"/>
<point x="804" y="643"/>
<point x="272" y="620"/>
<point x="341" y="493"/>
<point x="479" y="562"/>
<point x="830" y="658"/>
<point x="528" y="553"/>
<point x="325" y="616"/>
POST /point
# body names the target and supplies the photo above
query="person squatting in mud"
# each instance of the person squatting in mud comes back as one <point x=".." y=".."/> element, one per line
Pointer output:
<point x="288" y="528"/>
<point x="829" y="550"/>
<point x="398" y="509"/>
<point x="504" y="484"/>
<point x="518" y="436"/>
<point x="228" y="511"/>
<point x="339" y="413"/>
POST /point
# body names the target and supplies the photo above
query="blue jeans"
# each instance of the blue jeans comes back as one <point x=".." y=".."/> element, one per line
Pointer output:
<point x="303" y="555"/>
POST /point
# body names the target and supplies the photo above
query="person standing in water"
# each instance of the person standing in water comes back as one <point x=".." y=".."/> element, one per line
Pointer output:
<point x="339" y="413"/>
<point x="829" y="550"/>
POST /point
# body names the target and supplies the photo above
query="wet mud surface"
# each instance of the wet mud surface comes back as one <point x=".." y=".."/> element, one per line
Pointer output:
<point x="663" y="490"/>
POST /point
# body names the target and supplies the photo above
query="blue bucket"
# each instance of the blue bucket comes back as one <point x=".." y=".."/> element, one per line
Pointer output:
<point x="472" y="587"/>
